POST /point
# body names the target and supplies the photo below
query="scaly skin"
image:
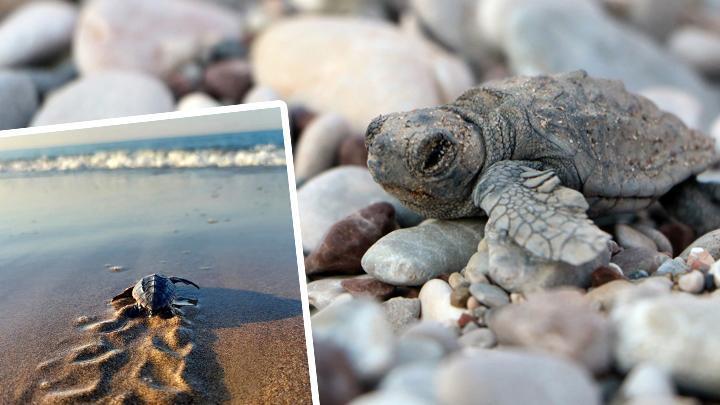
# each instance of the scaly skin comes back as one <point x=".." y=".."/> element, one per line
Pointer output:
<point x="617" y="149"/>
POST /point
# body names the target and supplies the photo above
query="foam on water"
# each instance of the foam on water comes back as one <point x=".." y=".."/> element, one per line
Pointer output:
<point x="260" y="155"/>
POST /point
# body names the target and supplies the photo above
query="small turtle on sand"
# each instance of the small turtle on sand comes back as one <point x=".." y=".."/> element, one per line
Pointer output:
<point x="537" y="155"/>
<point x="156" y="294"/>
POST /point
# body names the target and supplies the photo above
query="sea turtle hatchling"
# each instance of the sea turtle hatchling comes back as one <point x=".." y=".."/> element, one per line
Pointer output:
<point x="537" y="155"/>
<point x="156" y="294"/>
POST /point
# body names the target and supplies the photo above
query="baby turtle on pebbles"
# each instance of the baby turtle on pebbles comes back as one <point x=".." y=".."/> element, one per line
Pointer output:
<point x="156" y="294"/>
<point x="536" y="154"/>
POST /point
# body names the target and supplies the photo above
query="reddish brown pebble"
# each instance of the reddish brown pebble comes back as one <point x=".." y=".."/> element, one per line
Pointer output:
<point x="700" y="259"/>
<point x="228" y="80"/>
<point x="345" y="243"/>
<point x="353" y="151"/>
<point x="603" y="275"/>
<point x="367" y="287"/>
<point x="185" y="81"/>
<point x="340" y="384"/>
<point x="679" y="235"/>
<point x="465" y="319"/>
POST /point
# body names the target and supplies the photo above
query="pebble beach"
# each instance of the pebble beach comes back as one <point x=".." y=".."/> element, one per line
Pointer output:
<point x="407" y="309"/>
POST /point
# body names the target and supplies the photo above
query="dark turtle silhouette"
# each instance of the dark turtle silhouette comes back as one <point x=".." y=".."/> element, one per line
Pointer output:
<point x="156" y="294"/>
<point x="537" y="154"/>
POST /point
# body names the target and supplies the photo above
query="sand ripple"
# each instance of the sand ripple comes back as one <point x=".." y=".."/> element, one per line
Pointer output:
<point x="129" y="359"/>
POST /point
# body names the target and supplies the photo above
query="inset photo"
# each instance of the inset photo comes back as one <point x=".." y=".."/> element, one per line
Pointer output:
<point x="151" y="260"/>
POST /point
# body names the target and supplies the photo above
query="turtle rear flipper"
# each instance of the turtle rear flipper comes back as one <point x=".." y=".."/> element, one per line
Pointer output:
<point x="532" y="208"/>
<point x="185" y="281"/>
<point x="127" y="293"/>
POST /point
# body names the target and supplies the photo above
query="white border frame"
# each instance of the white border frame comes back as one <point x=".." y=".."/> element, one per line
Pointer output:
<point x="291" y="186"/>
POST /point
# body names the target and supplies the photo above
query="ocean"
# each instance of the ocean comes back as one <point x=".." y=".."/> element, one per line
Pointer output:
<point x="257" y="148"/>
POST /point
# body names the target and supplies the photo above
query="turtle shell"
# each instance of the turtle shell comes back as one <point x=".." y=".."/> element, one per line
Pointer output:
<point x="154" y="292"/>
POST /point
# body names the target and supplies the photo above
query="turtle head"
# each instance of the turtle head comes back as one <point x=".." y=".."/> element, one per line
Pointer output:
<point x="429" y="159"/>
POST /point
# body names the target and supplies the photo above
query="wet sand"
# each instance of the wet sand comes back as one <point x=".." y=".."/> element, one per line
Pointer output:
<point x="229" y="230"/>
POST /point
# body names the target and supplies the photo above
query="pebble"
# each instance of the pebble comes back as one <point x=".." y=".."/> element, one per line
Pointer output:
<point x="452" y="23"/>
<point x="562" y="322"/>
<point x="353" y="151"/>
<point x="489" y="295"/>
<point x="606" y="274"/>
<point x="228" y="80"/>
<point x="47" y="80"/>
<point x="477" y="266"/>
<point x="412" y="256"/>
<point x="337" y="193"/>
<point x="482" y="338"/>
<point x="698" y="47"/>
<point x="388" y="397"/>
<point x="513" y="269"/>
<point x="674" y="267"/>
<point x="586" y="37"/>
<point x="359" y="327"/>
<point x="300" y="118"/>
<point x="196" y="101"/>
<point x="628" y="237"/>
<point x="415" y="378"/>
<point x="317" y="148"/>
<point x="656" y="17"/>
<point x="345" y="243"/>
<point x="457" y="280"/>
<point x="460" y="296"/>
<point x="677" y="332"/>
<point x="434" y="331"/>
<point x="259" y="93"/>
<point x="715" y="272"/>
<point x="336" y="69"/>
<point x="661" y="241"/>
<point x="401" y="312"/>
<point x="647" y="380"/>
<point x="693" y="282"/>
<point x="36" y="32"/>
<point x="338" y="381"/>
<point x="679" y="235"/>
<point x="155" y="37"/>
<point x="634" y="259"/>
<point x="676" y="101"/>
<point x="607" y="295"/>
<point x="710" y="242"/>
<point x="472" y="303"/>
<point x="19" y="100"/>
<point x="365" y="8"/>
<point x="638" y="274"/>
<point x="109" y="94"/>
<point x="699" y="259"/>
<point x="367" y="287"/>
<point x="324" y="291"/>
<point x="418" y="351"/>
<point x="435" y="303"/>
<point x="504" y="377"/>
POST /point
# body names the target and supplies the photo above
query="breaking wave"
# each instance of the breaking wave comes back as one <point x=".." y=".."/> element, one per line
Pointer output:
<point x="261" y="155"/>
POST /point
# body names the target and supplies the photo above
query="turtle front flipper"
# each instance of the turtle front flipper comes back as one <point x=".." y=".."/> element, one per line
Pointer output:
<point x="127" y="293"/>
<point x="535" y="211"/>
<point x="184" y="302"/>
<point x="185" y="281"/>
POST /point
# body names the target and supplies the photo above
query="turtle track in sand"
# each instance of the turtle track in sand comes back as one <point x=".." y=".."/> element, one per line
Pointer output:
<point x="130" y="359"/>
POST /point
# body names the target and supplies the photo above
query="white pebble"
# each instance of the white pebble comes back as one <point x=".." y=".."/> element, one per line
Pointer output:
<point x="692" y="282"/>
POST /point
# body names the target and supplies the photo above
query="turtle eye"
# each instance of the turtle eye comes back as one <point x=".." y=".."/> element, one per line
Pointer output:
<point x="436" y="153"/>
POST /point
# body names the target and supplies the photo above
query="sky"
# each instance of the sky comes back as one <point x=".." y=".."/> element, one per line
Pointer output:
<point x="151" y="127"/>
